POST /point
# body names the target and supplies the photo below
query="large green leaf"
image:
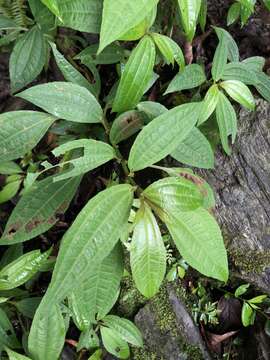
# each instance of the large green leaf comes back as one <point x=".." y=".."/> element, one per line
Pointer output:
<point x="38" y="209"/>
<point x="15" y="356"/>
<point x="209" y="104"/>
<point x="95" y="153"/>
<point x="198" y="238"/>
<point x="189" y="10"/>
<point x="90" y="239"/>
<point x="136" y="76"/>
<point x="239" y="71"/>
<point x="47" y="334"/>
<point x="53" y="6"/>
<point x="22" y="269"/>
<point x="96" y="295"/>
<point x="227" y="121"/>
<point x="114" y="344"/>
<point x="20" y="131"/>
<point x="69" y="72"/>
<point x="192" y="76"/>
<point x="233" y="52"/>
<point x="161" y="136"/>
<point x="119" y="16"/>
<point x="125" y="329"/>
<point x="126" y="125"/>
<point x="147" y="253"/>
<point x="169" y="49"/>
<point x="174" y="194"/>
<point x="65" y="100"/>
<point x="42" y="15"/>
<point x="254" y="63"/>
<point x="27" y="58"/>
<point x="220" y="58"/>
<point x="239" y="92"/>
<point x="195" y="150"/>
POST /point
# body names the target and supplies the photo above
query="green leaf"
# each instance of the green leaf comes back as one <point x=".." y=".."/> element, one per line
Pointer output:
<point x="119" y="16"/>
<point x="227" y="121"/>
<point x="20" y="131"/>
<point x="189" y="10"/>
<point x="254" y="63"/>
<point x="209" y="104"/>
<point x="203" y="15"/>
<point x="195" y="150"/>
<point x="65" y="100"/>
<point x="38" y="209"/>
<point x="11" y="254"/>
<point x="9" y="191"/>
<point x="22" y="269"/>
<point x="27" y="59"/>
<point x="263" y="85"/>
<point x="69" y="72"/>
<point x="114" y="344"/>
<point x="190" y="77"/>
<point x="198" y="238"/>
<point x="42" y="15"/>
<point x="239" y="92"/>
<point x="161" y="136"/>
<point x="53" y="6"/>
<point x="267" y="4"/>
<point x="97" y="355"/>
<point x="247" y="9"/>
<point x="111" y="55"/>
<point x="125" y="329"/>
<point x="136" y="76"/>
<point x="247" y="315"/>
<point x="47" y="334"/>
<point x="241" y="290"/>
<point x="169" y="49"/>
<point x="7" y="23"/>
<point x="126" y="125"/>
<point x="220" y="58"/>
<point x="233" y="52"/>
<point x="147" y="253"/>
<point x="239" y="71"/>
<point x="151" y="109"/>
<point x="90" y="239"/>
<point x="7" y="333"/>
<point x="96" y="295"/>
<point x="9" y="168"/>
<point x="233" y="13"/>
<point x="174" y="194"/>
<point x="81" y="15"/>
<point x="27" y="307"/>
<point x="96" y="153"/>
<point x="15" y="356"/>
<point x="258" y="299"/>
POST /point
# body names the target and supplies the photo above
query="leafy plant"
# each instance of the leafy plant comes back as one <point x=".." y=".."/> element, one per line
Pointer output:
<point x="243" y="9"/>
<point x="88" y="124"/>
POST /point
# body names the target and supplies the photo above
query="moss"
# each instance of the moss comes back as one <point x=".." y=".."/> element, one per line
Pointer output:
<point x="250" y="261"/>
<point x="144" y="354"/>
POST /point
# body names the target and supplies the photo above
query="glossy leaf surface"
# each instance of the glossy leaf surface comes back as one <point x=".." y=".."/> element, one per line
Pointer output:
<point x="189" y="10"/>
<point x="239" y="92"/>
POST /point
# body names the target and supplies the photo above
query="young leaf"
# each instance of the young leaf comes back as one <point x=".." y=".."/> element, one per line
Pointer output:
<point x="147" y="253"/>
<point x="169" y="49"/>
<point x="195" y="150"/>
<point x="233" y="13"/>
<point x="119" y="16"/>
<point x="220" y="58"/>
<point x="136" y="76"/>
<point x="47" y="334"/>
<point x="97" y="294"/>
<point x="161" y="136"/>
<point x="12" y="355"/>
<point x="126" y="125"/>
<point x="20" y="131"/>
<point x="233" y="52"/>
<point x="96" y="153"/>
<point x="241" y="290"/>
<point x="239" y="92"/>
<point x="258" y="299"/>
<point x="53" y="6"/>
<point x="239" y="71"/>
<point x="114" y="344"/>
<point x="190" y="77"/>
<point x="227" y="121"/>
<point x="198" y="238"/>
<point x="263" y="85"/>
<point x="247" y="315"/>
<point x="27" y="59"/>
<point x="209" y="104"/>
<point x="254" y="63"/>
<point x="90" y="239"/>
<point x="9" y="168"/>
<point x="65" y="100"/>
<point x="203" y="15"/>
<point x="189" y="10"/>
<point x="38" y="209"/>
<point x="69" y="72"/>
<point x="174" y="194"/>
<point x="125" y="329"/>
<point x="22" y="269"/>
<point x="9" y="191"/>
<point x="80" y="15"/>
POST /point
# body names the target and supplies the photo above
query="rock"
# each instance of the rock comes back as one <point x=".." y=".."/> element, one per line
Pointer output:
<point x="242" y="186"/>
<point x="168" y="330"/>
